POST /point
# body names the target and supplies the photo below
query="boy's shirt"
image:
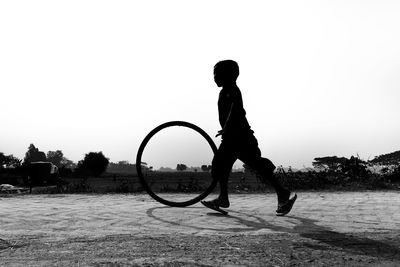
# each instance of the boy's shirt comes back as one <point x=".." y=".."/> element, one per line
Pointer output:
<point x="237" y="124"/>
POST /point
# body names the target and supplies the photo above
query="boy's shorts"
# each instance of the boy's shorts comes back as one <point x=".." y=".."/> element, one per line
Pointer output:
<point x="245" y="149"/>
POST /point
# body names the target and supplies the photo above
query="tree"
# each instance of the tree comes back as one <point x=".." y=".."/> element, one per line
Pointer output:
<point x="3" y="160"/>
<point x="123" y="163"/>
<point x="332" y="163"/>
<point x="33" y="155"/>
<point x="181" y="167"/>
<point x="55" y="157"/>
<point x="354" y="166"/>
<point x="9" y="161"/>
<point x="66" y="163"/>
<point x="206" y="168"/>
<point x="144" y="166"/>
<point x="121" y="167"/>
<point x="387" y="159"/>
<point x="94" y="163"/>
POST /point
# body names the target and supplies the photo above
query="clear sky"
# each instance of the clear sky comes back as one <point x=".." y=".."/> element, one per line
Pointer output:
<point x="318" y="78"/>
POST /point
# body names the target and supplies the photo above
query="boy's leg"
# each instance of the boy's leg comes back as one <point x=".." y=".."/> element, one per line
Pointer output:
<point x="222" y="164"/>
<point x="265" y="168"/>
<point x="250" y="154"/>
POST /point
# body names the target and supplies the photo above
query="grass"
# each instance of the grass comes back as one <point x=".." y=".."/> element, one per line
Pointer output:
<point x="188" y="182"/>
<point x="239" y="182"/>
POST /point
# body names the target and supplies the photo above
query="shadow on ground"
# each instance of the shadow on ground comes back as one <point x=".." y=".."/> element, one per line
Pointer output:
<point x="326" y="238"/>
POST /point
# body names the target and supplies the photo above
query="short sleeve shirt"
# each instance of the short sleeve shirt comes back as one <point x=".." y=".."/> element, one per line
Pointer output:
<point x="237" y="124"/>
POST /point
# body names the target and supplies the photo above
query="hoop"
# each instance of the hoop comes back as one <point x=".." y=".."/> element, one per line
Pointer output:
<point x="139" y="163"/>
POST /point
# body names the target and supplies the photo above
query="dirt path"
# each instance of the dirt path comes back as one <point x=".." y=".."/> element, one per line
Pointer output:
<point x="355" y="229"/>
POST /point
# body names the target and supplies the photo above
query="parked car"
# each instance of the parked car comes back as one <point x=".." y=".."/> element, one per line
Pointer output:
<point x="10" y="189"/>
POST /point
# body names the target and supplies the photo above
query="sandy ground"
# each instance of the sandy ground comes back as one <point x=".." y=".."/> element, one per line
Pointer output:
<point x="324" y="229"/>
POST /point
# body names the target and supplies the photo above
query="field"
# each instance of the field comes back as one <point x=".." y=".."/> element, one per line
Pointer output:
<point x="185" y="181"/>
<point x="159" y="181"/>
<point x="239" y="182"/>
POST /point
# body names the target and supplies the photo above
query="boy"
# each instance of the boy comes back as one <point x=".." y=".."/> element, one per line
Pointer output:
<point x="238" y="142"/>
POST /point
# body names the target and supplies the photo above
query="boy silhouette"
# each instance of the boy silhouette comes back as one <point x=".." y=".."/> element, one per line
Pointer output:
<point x="238" y="142"/>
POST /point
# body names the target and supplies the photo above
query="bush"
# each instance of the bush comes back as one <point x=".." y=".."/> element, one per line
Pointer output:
<point x="94" y="164"/>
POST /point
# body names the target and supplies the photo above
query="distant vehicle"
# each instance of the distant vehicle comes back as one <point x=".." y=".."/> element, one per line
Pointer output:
<point x="10" y="189"/>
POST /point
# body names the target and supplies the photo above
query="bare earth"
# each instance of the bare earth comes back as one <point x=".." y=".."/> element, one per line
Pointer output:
<point x="324" y="229"/>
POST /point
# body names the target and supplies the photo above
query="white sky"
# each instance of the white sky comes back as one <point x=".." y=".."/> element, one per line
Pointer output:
<point x="318" y="78"/>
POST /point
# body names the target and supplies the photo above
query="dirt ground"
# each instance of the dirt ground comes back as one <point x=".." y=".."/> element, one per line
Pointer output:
<point x="324" y="229"/>
<point x="312" y="249"/>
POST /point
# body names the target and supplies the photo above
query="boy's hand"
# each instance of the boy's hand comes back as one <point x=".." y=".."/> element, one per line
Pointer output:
<point x="220" y="132"/>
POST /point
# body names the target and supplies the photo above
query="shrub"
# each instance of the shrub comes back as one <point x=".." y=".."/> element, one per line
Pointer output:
<point x="94" y="164"/>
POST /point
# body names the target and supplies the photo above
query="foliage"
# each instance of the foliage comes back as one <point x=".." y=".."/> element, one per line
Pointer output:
<point x="94" y="164"/>
<point x="66" y="163"/>
<point x="82" y="186"/>
<point x="387" y="159"/>
<point x="206" y="168"/>
<point x="331" y="163"/>
<point x="354" y="166"/>
<point x="65" y="166"/>
<point x="124" y="186"/>
<point x="121" y="167"/>
<point x="181" y="167"/>
<point x="313" y="180"/>
<point x="58" y="159"/>
<point x="65" y="172"/>
<point x="9" y="161"/>
<point x="33" y="155"/>
<point x="55" y="157"/>
<point x="192" y="186"/>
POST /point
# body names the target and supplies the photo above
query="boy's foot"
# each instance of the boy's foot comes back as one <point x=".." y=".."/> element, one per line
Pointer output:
<point x="285" y="207"/>
<point x="215" y="205"/>
<point x="283" y="195"/>
<point x="222" y="202"/>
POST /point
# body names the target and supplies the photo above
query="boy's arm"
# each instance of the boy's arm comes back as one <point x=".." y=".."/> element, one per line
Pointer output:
<point x="226" y="125"/>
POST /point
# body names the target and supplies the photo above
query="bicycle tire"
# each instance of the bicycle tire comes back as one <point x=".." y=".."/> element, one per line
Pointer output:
<point x="143" y="182"/>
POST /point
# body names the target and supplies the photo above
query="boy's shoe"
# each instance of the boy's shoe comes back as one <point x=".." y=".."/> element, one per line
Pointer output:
<point x="214" y="206"/>
<point x="285" y="207"/>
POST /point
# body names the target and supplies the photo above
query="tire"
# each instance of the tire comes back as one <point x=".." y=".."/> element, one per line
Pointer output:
<point x="143" y="181"/>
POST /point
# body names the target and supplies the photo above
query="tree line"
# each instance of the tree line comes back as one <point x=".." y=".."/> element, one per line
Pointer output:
<point x="386" y="163"/>
<point x="93" y="163"/>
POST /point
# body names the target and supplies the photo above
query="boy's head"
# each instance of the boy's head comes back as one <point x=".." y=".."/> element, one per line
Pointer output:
<point x="226" y="72"/>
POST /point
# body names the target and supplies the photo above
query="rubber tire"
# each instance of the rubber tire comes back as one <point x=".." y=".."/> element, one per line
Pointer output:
<point x="139" y="163"/>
